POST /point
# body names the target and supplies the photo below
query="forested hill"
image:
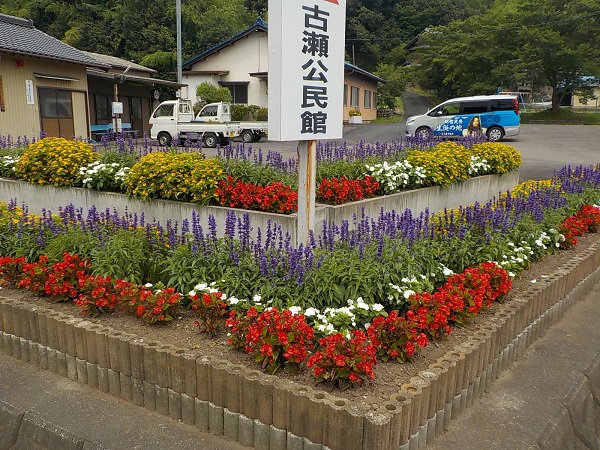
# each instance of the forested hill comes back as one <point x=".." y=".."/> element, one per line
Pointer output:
<point x="144" y="31"/>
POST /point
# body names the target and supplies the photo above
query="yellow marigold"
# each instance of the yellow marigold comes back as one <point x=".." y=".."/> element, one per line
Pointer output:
<point x="502" y="158"/>
<point x="174" y="176"/>
<point x="54" y="161"/>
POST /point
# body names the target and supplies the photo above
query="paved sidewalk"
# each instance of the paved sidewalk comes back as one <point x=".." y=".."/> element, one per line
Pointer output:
<point x="99" y="420"/>
<point x="532" y="403"/>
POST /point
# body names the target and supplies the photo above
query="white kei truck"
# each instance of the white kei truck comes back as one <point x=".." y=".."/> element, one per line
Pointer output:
<point x="174" y="119"/>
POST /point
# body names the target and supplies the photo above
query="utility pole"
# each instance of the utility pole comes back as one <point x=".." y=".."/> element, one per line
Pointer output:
<point x="178" y="14"/>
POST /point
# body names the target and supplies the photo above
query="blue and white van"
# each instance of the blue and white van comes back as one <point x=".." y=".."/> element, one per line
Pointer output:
<point x="496" y="116"/>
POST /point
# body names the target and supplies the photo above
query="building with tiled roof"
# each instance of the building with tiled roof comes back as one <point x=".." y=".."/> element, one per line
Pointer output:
<point x="43" y="82"/>
<point x="47" y="85"/>
<point x="20" y="37"/>
<point x="241" y="64"/>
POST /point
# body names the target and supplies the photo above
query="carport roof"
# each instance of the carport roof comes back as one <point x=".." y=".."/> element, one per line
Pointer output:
<point x="20" y="37"/>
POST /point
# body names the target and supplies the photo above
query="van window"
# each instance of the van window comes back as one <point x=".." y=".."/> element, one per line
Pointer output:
<point x="447" y="109"/>
<point x="503" y="105"/>
<point x="475" y="107"/>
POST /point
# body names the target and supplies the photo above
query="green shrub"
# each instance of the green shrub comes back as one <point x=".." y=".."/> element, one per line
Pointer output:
<point x="54" y="161"/>
<point x="24" y="244"/>
<point x="123" y="256"/>
<point x="247" y="112"/>
<point x="353" y="170"/>
<point x="175" y="176"/>
<point x="124" y="159"/>
<point x="262" y="115"/>
<point x="75" y="241"/>
<point x="262" y="175"/>
<point x="7" y="166"/>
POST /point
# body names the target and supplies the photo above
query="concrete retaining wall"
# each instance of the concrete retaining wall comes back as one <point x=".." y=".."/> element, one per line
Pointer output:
<point x="45" y="197"/>
<point x="266" y="412"/>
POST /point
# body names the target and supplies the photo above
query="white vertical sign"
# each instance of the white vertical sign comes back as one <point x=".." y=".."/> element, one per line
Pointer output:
<point x="306" y="69"/>
<point x="29" y="92"/>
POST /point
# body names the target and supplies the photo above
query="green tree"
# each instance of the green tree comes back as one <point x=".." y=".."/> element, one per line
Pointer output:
<point x="523" y="42"/>
<point x="208" y="93"/>
<point x="557" y="43"/>
<point x="389" y="92"/>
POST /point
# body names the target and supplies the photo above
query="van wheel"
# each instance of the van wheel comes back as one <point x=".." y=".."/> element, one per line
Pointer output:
<point x="423" y="132"/>
<point x="495" y="134"/>
<point x="210" y="140"/>
<point x="164" y="139"/>
<point x="247" y="136"/>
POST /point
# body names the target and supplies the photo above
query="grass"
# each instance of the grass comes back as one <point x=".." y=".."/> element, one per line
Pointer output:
<point x="563" y="116"/>
<point x="393" y="119"/>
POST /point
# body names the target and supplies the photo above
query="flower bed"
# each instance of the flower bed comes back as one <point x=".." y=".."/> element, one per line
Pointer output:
<point x="282" y="342"/>
<point x="232" y="182"/>
<point x="317" y="417"/>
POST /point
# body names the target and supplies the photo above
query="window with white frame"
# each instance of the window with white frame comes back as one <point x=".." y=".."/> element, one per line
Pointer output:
<point x="354" y="97"/>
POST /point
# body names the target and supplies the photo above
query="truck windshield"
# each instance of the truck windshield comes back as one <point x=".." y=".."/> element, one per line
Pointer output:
<point x="164" y="110"/>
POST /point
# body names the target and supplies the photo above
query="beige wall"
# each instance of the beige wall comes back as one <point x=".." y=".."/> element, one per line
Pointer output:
<point x="363" y="84"/>
<point x="592" y="104"/>
<point x="23" y="119"/>
<point x="250" y="55"/>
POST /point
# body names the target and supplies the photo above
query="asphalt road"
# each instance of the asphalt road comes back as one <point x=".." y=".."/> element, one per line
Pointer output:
<point x="544" y="148"/>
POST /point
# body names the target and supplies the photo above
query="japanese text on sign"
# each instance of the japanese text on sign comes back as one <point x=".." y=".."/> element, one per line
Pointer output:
<point x="306" y="69"/>
<point x="314" y="94"/>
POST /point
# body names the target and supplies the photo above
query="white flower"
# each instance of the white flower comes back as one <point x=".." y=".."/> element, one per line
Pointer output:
<point x="233" y="301"/>
<point x="148" y="285"/>
<point x="377" y="307"/>
<point x="408" y="293"/>
<point x="295" y="310"/>
<point x="192" y="293"/>
<point x="360" y="303"/>
<point x="257" y="298"/>
<point x="311" y="312"/>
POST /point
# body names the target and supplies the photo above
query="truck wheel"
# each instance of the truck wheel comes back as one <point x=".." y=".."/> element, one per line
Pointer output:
<point x="164" y="139"/>
<point x="247" y="136"/>
<point x="495" y="134"/>
<point x="210" y="140"/>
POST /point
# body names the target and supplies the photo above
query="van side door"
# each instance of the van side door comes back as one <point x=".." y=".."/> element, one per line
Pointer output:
<point x="444" y="119"/>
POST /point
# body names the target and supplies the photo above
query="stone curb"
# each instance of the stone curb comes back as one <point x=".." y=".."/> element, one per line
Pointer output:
<point x="266" y="412"/>
<point x="21" y="429"/>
